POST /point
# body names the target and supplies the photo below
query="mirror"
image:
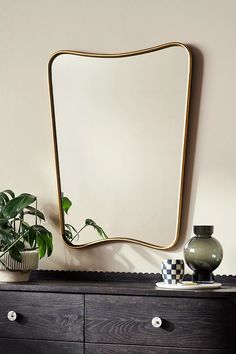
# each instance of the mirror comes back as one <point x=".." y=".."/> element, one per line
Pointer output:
<point x="120" y="125"/>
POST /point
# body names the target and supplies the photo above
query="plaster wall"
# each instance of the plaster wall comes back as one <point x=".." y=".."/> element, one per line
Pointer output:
<point x="30" y="31"/>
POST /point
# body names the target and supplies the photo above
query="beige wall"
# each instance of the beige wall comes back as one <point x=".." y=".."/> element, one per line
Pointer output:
<point x="31" y="30"/>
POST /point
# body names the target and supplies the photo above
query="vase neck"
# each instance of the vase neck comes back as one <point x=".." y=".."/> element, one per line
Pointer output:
<point x="203" y="236"/>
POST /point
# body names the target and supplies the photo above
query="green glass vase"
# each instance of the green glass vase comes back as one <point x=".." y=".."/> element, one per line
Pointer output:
<point x="203" y="254"/>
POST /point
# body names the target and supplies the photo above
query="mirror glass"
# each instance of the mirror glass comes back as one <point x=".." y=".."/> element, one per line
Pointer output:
<point x="120" y="133"/>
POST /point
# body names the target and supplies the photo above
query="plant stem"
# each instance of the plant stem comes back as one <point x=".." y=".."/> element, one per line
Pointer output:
<point x="21" y="218"/>
<point x="19" y="226"/>
<point x="4" y="265"/>
<point x="79" y="232"/>
<point x="82" y="228"/>
<point x="36" y="207"/>
<point x="7" y="250"/>
<point x="13" y="243"/>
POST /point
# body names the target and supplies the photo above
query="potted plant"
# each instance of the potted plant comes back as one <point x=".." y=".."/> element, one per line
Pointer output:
<point x="23" y="240"/>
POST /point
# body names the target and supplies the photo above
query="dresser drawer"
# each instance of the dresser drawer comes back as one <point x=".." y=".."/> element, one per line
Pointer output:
<point x="138" y="349"/>
<point x="25" y="346"/>
<point x="186" y="322"/>
<point x="49" y="316"/>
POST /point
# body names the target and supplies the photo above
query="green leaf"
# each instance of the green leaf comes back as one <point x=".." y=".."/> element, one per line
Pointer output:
<point x="49" y="245"/>
<point x="43" y="239"/>
<point x="15" y="205"/>
<point x="6" y="235"/>
<point x="4" y="198"/>
<point x="68" y="235"/>
<point x="3" y="222"/>
<point x="90" y="222"/>
<point x="42" y="246"/>
<point x="34" y="211"/>
<point x="6" y="229"/>
<point x="10" y="192"/>
<point x="71" y="228"/>
<point x="66" y="204"/>
<point x="99" y="230"/>
<point x="15" y="253"/>
<point x="20" y="246"/>
<point x="25" y="228"/>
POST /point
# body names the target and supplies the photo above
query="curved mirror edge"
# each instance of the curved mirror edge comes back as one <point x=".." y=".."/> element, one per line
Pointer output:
<point x="59" y="191"/>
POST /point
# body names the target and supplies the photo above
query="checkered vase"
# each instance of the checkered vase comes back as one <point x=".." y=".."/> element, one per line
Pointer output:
<point x="172" y="270"/>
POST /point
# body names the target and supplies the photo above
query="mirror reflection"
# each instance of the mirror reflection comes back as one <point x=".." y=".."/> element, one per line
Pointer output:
<point x="120" y="133"/>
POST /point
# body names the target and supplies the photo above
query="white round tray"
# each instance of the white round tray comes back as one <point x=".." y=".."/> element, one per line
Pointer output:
<point x="188" y="285"/>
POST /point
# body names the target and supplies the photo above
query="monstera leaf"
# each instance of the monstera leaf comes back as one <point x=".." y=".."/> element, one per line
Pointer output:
<point x="17" y="204"/>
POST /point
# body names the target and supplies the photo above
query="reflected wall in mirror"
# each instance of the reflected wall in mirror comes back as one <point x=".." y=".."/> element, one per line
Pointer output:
<point x="120" y="124"/>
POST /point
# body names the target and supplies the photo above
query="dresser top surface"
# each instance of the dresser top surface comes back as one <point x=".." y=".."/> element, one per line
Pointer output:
<point x="96" y="284"/>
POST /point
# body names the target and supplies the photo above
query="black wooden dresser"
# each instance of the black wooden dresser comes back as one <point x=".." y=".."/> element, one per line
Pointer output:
<point x="114" y="313"/>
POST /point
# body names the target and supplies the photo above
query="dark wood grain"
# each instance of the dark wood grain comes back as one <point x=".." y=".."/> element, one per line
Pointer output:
<point x="137" y="349"/>
<point x="191" y="323"/>
<point x="122" y="288"/>
<point x="42" y="316"/>
<point x="18" y="346"/>
<point x="119" y="309"/>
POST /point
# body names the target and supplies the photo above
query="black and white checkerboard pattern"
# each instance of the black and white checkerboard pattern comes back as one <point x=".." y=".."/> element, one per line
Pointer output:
<point x="172" y="270"/>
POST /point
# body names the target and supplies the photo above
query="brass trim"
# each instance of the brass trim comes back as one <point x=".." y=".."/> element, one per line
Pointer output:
<point x="52" y="107"/>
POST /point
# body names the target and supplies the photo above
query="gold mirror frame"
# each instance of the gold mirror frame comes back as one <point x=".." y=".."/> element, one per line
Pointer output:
<point x="52" y="107"/>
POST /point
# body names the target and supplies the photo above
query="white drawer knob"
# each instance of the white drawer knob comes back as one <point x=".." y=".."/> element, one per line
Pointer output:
<point x="156" y="322"/>
<point x="12" y="315"/>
